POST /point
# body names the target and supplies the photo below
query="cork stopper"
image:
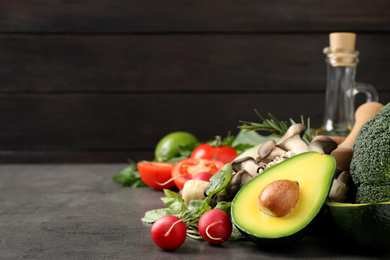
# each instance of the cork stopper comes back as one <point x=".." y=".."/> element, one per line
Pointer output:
<point x="341" y="51"/>
<point x="342" y="42"/>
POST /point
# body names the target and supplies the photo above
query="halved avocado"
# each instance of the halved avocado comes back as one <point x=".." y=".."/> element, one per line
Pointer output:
<point x="314" y="174"/>
<point x="367" y="224"/>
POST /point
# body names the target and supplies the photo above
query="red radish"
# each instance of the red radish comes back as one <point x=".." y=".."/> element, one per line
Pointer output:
<point x="215" y="226"/>
<point x="203" y="176"/>
<point x="169" y="232"/>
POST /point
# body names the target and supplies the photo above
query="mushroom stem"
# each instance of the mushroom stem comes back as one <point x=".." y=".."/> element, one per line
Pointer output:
<point x="294" y="144"/>
<point x="248" y="164"/>
<point x="340" y="187"/>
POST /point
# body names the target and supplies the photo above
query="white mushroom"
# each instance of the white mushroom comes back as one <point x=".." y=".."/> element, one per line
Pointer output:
<point x="292" y="139"/>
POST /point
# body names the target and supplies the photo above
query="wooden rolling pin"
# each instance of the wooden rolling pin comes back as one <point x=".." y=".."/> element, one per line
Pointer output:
<point x="343" y="153"/>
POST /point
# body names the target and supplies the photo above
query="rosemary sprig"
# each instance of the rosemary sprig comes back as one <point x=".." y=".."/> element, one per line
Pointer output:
<point x="275" y="126"/>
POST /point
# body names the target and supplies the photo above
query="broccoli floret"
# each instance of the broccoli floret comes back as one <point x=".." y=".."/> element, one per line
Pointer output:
<point x="370" y="165"/>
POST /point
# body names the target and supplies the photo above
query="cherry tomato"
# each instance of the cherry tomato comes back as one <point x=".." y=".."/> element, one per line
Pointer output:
<point x="186" y="169"/>
<point x="156" y="174"/>
<point x="223" y="153"/>
<point x="169" y="232"/>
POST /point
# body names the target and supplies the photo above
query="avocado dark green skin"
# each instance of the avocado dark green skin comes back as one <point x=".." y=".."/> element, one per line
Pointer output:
<point x="322" y="224"/>
<point x="275" y="243"/>
<point x="367" y="225"/>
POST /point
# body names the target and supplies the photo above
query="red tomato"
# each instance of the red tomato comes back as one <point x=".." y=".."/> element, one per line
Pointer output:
<point x="223" y="153"/>
<point x="185" y="169"/>
<point x="156" y="174"/>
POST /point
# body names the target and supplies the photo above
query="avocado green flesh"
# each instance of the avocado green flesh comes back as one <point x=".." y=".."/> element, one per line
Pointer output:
<point x="314" y="174"/>
<point x="367" y="224"/>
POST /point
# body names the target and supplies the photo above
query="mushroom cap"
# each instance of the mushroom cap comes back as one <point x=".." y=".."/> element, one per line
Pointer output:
<point x="266" y="148"/>
<point x="269" y="151"/>
<point x="292" y="139"/>
<point x="292" y="131"/>
<point x="238" y="180"/>
<point x="346" y="178"/>
<point x="322" y="143"/>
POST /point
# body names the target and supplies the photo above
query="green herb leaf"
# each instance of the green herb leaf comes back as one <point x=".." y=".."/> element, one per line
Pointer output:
<point x="205" y="206"/>
<point x="129" y="176"/>
<point x="249" y="137"/>
<point x="152" y="215"/>
<point x="173" y="201"/>
<point x="236" y="234"/>
<point x="240" y="148"/>
<point x="184" y="152"/>
<point x="228" y="140"/>
<point x="224" y="206"/>
<point x="220" y="180"/>
<point x="195" y="205"/>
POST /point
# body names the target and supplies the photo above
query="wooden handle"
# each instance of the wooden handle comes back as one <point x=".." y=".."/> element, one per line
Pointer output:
<point x="364" y="113"/>
<point x="343" y="153"/>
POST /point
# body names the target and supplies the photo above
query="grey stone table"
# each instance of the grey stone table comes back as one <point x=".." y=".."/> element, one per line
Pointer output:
<point x="77" y="212"/>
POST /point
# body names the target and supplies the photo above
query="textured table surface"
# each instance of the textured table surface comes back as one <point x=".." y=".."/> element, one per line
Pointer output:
<point x="76" y="212"/>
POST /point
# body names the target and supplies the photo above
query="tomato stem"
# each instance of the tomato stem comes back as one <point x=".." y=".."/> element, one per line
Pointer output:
<point x="218" y="140"/>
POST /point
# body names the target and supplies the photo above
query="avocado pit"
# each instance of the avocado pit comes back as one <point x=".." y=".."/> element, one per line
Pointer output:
<point x="279" y="198"/>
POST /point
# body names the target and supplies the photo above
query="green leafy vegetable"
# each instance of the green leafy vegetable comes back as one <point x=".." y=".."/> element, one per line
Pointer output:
<point x="276" y="127"/>
<point x="232" y="141"/>
<point x="219" y="180"/>
<point x="152" y="215"/>
<point x="184" y="152"/>
<point x="129" y="176"/>
<point x="173" y="201"/>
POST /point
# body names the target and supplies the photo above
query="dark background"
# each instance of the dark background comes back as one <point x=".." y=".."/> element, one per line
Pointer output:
<point x="103" y="81"/>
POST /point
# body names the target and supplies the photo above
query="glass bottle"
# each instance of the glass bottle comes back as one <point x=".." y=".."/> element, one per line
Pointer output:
<point x="341" y="89"/>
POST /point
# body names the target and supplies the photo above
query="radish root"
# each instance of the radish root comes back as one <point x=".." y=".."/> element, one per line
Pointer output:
<point x="169" y="231"/>
<point x="211" y="225"/>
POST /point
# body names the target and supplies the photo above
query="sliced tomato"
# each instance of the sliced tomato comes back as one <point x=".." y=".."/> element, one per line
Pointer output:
<point x="157" y="175"/>
<point x="223" y="153"/>
<point x="186" y="169"/>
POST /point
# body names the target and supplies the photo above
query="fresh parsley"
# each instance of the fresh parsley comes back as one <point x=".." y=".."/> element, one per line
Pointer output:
<point x="129" y="176"/>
